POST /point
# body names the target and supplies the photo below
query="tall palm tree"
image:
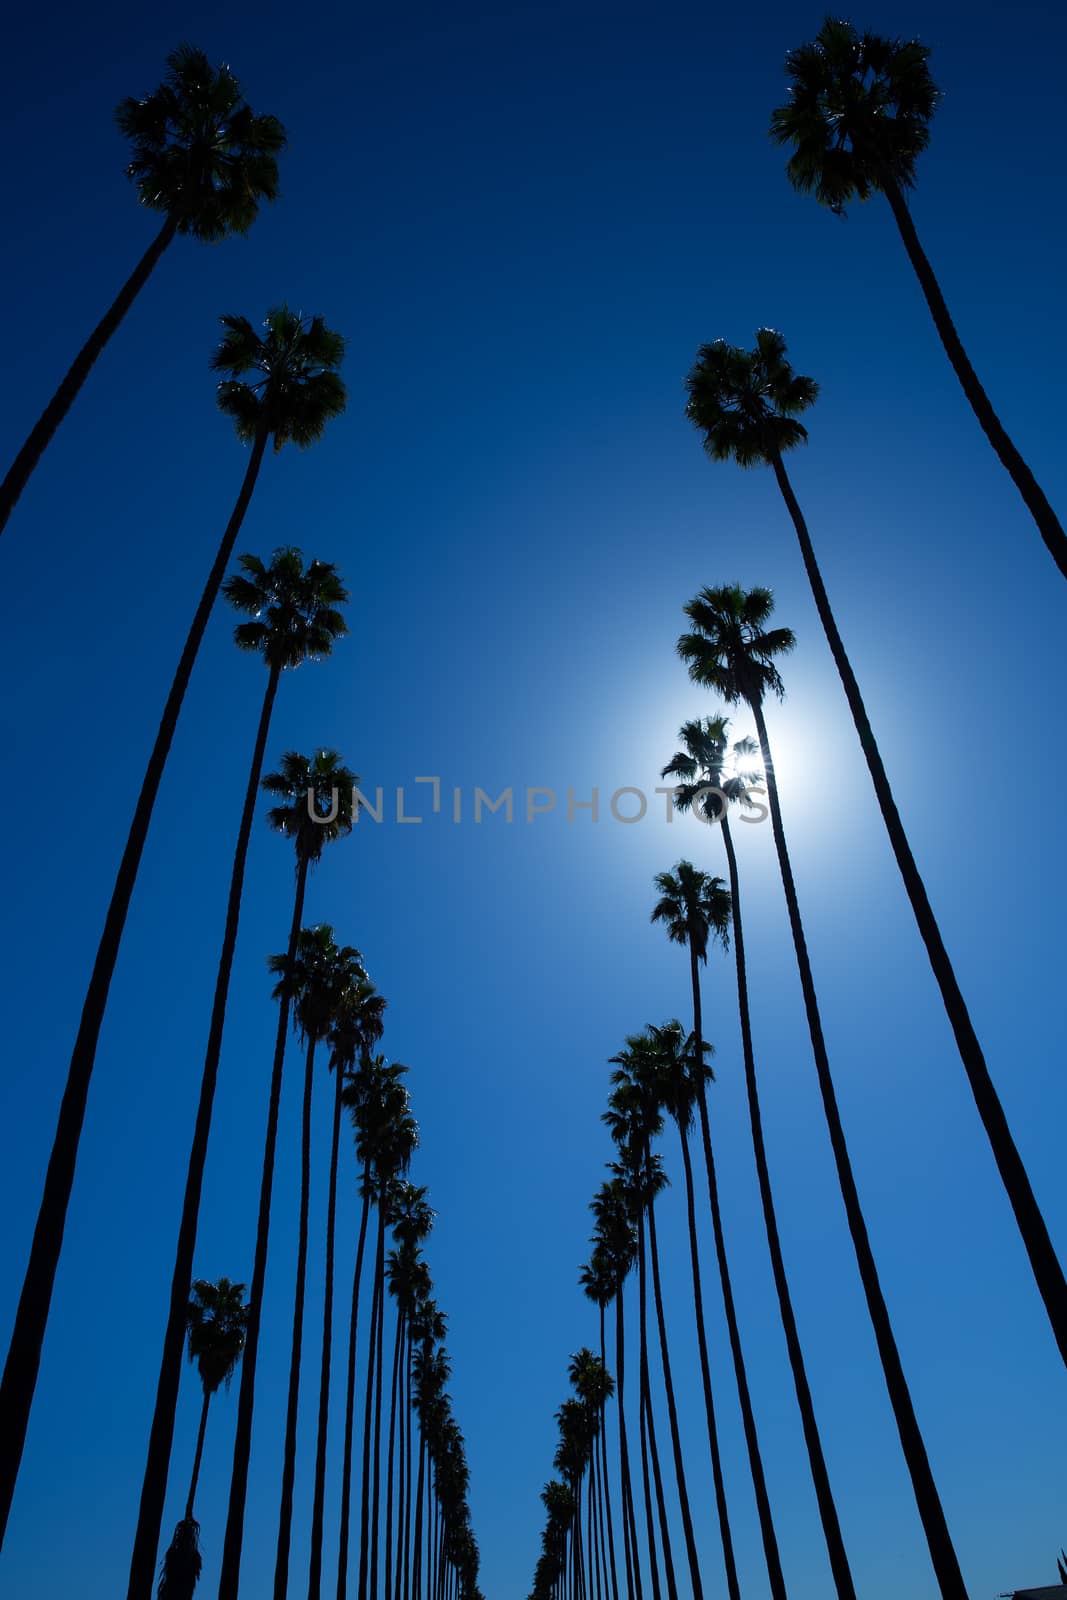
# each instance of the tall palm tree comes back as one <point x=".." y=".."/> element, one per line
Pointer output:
<point x="378" y="1102"/>
<point x="296" y="391"/>
<point x="200" y="156"/>
<point x="746" y="404"/>
<point x="596" y="1282"/>
<point x="613" y="1256"/>
<point x="315" y="796"/>
<point x="594" y="1386"/>
<point x="408" y="1278"/>
<point x="357" y="1024"/>
<point x="858" y="119"/>
<point x="426" y="1333"/>
<point x="316" y="979"/>
<point x="695" y="908"/>
<point x="713" y="774"/>
<point x="731" y="649"/>
<point x="216" y="1319"/>
<point x="295" y="619"/>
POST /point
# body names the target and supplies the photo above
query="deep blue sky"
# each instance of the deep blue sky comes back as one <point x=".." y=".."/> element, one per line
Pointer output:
<point x="525" y="219"/>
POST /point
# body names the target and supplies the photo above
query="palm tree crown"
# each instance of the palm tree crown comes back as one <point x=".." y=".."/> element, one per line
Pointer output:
<point x="320" y="974"/>
<point x="316" y="800"/>
<point x="282" y="382"/>
<point x="199" y="151"/>
<point x="710" y="768"/>
<point x="730" y="648"/>
<point x="217" y="1320"/>
<point x="293" y="609"/>
<point x="746" y="402"/>
<point x="858" y="113"/>
<point x="693" y="906"/>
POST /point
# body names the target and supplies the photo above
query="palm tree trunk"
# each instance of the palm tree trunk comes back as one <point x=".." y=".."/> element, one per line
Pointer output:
<point x="390" y="1458"/>
<point x="31" y="1319"/>
<point x="729" y="1561"/>
<point x="945" y="1563"/>
<point x="1043" y="1261"/>
<point x="1048" y="524"/>
<point x="629" y="1520"/>
<point x="604" y="1475"/>
<point x="594" y="1529"/>
<point x="285" y="1512"/>
<point x="831" y="1525"/>
<point x="748" y="1419"/>
<point x="319" y="1498"/>
<point x="229" y="1576"/>
<point x="368" y="1408"/>
<point x="350" y="1394"/>
<point x="376" y="1479"/>
<point x="161" y="1436"/>
<point x="44" y="429"/>
<point x="408" y="1470"/>
<point x="646" y="1395"/>
<point x="672" y="1413"/>
<point x="198" y="1457"/>
<point x="416" y="1565"/>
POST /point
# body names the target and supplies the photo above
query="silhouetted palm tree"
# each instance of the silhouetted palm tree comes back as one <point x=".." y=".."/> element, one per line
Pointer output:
<point x="216" y="1318"/>
<point x="858" y="118"/>
<point x="713" y="775"/>
<point x="204" y="159"/>
<point x="297" y="391"/>
<point x="295" y="619"/>
<point x="357" y="1024"/>
<point x="694" y="908"/>
<point x="315" y="796"/>
<point x="731" y="649"/>
<point x="595" y="1280"/>
<point x="614" y="1254"/>
<point x="746" y="404"/>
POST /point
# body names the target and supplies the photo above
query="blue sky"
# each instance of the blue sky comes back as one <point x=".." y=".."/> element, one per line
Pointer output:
<point x="525" y="220"/>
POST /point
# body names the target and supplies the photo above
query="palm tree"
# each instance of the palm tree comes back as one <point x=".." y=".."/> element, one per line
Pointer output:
<point x="746" y="405"/>
<point x="296" y="392"/>
<point x="357" y="1025"/>
<point x="731" y="649"/>
<point x="315" y="796"/>
<point x="858" y="119"/>
<point x="426" y="1332"/>
<point x="596" y="1282"/>
<point x="594" y="1386"/>
<point x="408" y="1279"/>
<point x="203" y="158"/>
<point x="713" y="776"/>
<point x="694" y="909"/>
<point x="216" y="1318"/>
<point x="295" y="619"/>
<point x="378" y="1102"/>
<point x="316" y="979"/>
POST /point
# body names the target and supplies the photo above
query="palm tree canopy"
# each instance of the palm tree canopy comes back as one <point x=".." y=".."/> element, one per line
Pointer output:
<point x="199" y="151"/>
<point x="746" y="402"/>
<point x="693" y="906"/>
<point x="217" y="1320"/>
<point x="293" y="609"/>
<point x="711" y="768"/>
<point x="858" y="113"/>
<point x="358" y="1022"/>
<point x="321" y="972"/>
<point x="283" y="382"/>
<point x="730" y="647"/>
<point x="316" y="794"/>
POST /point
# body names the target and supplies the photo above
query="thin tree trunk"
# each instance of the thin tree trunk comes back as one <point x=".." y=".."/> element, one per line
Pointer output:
<point x="592" y="1539"/>
<point x="629" y="1521"/>
<point x="379" y="1360"/>
<point x="653" y="1447"/>
<point x="229" y="1577"/>
<point x="408" y="1471"/>
<point x="350" y="1395"/>
<point x="831" y="1525"/>
<point x="319" y="1499"/>
<point x="31" y="1319"/>
<point x="416" y="1567"/>
<point x="198" y="1457"/>
<point x="605" y="1476"/>
<point x="44" y="429"/>
<point x="729" y="1561"/>
<point x="943" y="1555"/>
<point x="650" y="1525"/>
<point x="368" y="1408"/>
<point x="398" y="1339"/>
<point x="161" y="1436"/>
<point x="672" y="1414"/>
<point x="748" y="1419"/>
<point x="285" y="1512"/>
<point x="1043" y="1260"/>
<point x="1048" y="524"/>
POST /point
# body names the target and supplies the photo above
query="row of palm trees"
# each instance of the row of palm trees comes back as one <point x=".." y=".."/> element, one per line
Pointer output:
<point x="660" y="1077"/>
